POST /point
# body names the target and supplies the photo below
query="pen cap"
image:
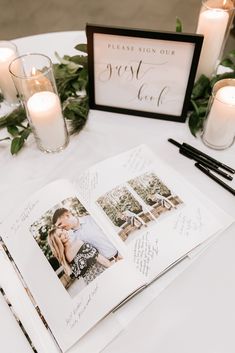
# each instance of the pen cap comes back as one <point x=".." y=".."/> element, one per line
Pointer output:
<point x="219" y="129"/>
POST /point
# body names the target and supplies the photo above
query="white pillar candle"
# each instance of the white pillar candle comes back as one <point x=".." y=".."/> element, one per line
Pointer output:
<point x="44" y="110"/>
<point x="212" y="24"/>
<point x="6" y="82"/>
<point x="220" y="126"/>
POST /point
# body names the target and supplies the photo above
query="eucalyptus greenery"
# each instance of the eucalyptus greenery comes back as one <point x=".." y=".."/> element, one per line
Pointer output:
<point x="201" y="94"/>
<point x="71" y="77"/>
<point x="178" y="25"/>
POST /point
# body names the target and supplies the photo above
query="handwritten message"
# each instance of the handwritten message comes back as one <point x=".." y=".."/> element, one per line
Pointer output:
<point x="186" y="226"/>
<point x="87" y="183"/>
<point x="138" y="161"/>
<point x="24" y="215"/>
<point x="80" y="308"/>
<point x="145" y="251"/>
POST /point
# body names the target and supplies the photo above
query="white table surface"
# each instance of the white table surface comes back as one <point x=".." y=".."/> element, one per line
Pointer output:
<point x="196" y="313"/>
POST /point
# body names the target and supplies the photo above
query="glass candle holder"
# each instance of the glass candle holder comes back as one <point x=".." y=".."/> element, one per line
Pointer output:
<point x="219" y="129"/>
<point x="8" y="52"/>
<point x="215" y="21"/>
<point x="34" y="80"/>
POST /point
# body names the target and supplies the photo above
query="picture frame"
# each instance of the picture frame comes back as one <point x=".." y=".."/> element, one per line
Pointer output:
<point x="140" y="72"/>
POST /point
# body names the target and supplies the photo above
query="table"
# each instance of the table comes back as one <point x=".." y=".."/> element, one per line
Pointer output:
<point x="196" y="312"/>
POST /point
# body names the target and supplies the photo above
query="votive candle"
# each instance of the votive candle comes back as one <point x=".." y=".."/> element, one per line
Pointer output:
<point x="220" y="127"/>
<point x="8" y="52"/>
<point x="44" y="110"/>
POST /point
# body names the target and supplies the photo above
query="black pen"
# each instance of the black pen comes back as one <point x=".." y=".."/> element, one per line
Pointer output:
<point x="202" y="154"/>
<point x="207" y="163"/>
<point x="212" y="167"/>
<point x="212" y="176"/>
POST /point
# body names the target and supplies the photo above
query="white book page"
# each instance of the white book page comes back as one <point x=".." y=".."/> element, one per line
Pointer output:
<point x="24" y="308"/>
<point x="70" y="306"/>
<point x="12" y="337"/>
<point x="156" y="213"/>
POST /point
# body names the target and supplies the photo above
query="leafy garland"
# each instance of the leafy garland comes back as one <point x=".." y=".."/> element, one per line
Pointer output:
<point x="71" y="76"/>
<point x="202" y="91"/>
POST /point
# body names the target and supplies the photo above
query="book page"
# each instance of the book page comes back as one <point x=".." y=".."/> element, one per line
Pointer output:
<point x="24" y="308"/>
<point x="12" y="336"/>
<point x="156" y="213"/>
<point x="75" y="282"/>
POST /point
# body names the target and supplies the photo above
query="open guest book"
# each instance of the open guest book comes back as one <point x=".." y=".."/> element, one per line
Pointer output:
<point x="83" y="248"/>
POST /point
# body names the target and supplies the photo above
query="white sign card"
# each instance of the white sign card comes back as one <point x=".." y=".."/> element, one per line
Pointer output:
<point x="143" y="73"/>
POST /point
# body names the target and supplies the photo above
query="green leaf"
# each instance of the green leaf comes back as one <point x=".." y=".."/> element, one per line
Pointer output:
<point x="16" y="144"/>
<point x="13" y="130"/>
<point x="195" y="106"/>
<point x="76" y="110"/>
<point x="25" y="133"/>
<point x="79" y="59"/>
<point x="195" y="123"/>
<point x="71" y="66"/>
<point x="76" y="85"/>
<point x="81" y="47"/>
<point x="83" y="75"/>
<point x="232" y="53"/>
<point x="202" y="110"/>
<point x="221" y="77"/>
<point x="178" y="25"/>
<point x="200" y="87"/>
<point x="14" y="118"/>
<point x="228" y="63"/>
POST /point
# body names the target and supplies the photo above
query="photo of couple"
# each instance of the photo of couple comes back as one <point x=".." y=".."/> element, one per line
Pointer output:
<point x="134" y="205"/>
<point x="74" y="244"/>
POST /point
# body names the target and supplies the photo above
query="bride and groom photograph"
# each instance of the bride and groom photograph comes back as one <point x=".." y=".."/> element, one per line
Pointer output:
<point x="73" y="243"/>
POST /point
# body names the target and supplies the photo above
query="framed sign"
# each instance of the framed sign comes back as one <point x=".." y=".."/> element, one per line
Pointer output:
<point x="145" y="73"/>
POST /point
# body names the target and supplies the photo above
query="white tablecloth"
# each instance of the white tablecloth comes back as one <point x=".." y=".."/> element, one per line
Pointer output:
<point x="196" y="313"/>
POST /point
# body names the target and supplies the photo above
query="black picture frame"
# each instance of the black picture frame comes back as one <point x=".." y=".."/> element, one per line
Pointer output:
<point x="140" y="72"/>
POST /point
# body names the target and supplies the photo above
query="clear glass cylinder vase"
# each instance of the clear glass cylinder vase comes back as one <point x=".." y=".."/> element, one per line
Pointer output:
<point x="8" y="52"/>
<point x="34" y="80"/>
<point x="214" y="23"/>
<point x="219" y="130"/>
